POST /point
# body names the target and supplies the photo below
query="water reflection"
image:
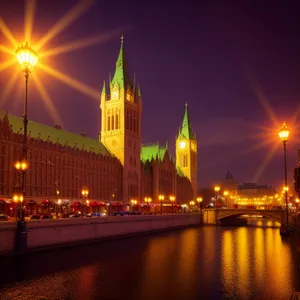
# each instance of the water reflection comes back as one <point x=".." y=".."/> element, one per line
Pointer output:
<point x="207" y="263"/>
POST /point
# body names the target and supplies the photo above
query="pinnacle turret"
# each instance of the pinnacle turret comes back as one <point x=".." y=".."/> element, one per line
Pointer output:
<point x="185" y="129"/>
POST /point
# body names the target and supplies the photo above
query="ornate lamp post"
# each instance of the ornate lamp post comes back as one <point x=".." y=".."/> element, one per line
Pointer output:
<point x="172" y="199"/>
<point x="148" y="200"/>
<point x="217" y="189"/>
<point x="283" y="134"/>
<point x="84" y="193"/>
<point x="199" y="200"/>
<point x="226" y="193"/>
<point x="161" y="199"/>
<point x="133" y="203"/>
<point x="192" y="203"/>
<point x="27" y="58"/>
<point x="59" y="205"/>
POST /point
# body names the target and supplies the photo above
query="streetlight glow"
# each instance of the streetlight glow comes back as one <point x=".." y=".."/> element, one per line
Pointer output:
<point x="284" y="133"/>
<point x="27" y="58"/>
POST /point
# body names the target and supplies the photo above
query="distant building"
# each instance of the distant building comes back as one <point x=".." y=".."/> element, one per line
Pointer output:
<point x="253" y="194"/>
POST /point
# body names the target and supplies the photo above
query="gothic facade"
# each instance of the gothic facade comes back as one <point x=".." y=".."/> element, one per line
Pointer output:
<point x="117" y="167"/>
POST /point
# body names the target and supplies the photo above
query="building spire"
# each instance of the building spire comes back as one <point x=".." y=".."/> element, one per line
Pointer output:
<point x="186" y="128"/>
<point x="121" y="77"/>
<point x="104" y="88"/>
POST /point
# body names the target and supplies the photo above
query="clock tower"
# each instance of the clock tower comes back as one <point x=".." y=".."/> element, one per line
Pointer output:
<point x="121" y="108"/>
<point x="186" y="151"/>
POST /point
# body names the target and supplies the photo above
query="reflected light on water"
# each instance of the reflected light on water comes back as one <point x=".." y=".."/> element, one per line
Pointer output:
<point x="199" y="263"/>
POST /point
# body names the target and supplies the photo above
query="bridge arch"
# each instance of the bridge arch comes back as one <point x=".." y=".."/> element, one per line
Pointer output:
<point x="276" y="215"/>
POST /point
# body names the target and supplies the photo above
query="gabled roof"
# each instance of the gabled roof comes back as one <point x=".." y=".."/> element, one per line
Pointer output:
<point x="54" y="135"/>
<point x="121" y="77"/>
<point x="185" y="129"/>
<point x="152" y="151"/>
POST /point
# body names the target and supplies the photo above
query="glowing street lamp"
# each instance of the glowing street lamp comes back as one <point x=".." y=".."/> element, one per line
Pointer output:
<point x="217" y="189"/>
<point x="148" y="200"/>
<point x="172" y="199"/>
<point x="199" y="200"/>
<point x="27" y="58"/>
<point x="226" y="193"/>
<point x="133" y="202"/>
<point x="161" y="199"/>
<point x="85" y="192"/>
<point x="283" y="134"/>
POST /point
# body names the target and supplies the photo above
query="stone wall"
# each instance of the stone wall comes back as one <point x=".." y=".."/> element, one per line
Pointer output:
<point x="57" y="233"/>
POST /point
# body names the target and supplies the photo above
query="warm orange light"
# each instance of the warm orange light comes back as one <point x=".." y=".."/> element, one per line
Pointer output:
<point x="27" y="57"/>
<point x="284" y="133"/>
<point x="192" y="203"/>
<point x="23" y="165"/>
<point x="87" y="202"/>
<point x="226" y="193"/>
<point x="161" y="197"/>
<point x="217" y="188"/>
<point x="18" y="198"/>
<point x="84" y="192"/>
<point x="172" y="198"/>
<point x="199" y="199"/>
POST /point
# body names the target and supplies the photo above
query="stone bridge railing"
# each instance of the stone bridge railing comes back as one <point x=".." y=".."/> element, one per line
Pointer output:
<point x="213" y="216"/>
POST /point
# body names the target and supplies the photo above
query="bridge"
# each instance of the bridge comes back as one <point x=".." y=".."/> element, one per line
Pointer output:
<point x="215" y="215"/>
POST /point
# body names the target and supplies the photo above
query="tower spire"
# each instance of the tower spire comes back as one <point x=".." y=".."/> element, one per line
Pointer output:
<point x="121" y="76"/>
<point x="186" y="128"/>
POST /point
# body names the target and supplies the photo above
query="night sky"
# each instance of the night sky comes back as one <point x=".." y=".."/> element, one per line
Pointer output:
<point x="214" y="56"/>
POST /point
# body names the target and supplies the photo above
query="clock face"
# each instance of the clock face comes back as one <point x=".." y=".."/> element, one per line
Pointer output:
<point x="182" y="144"/>
<point x="115" y="95"/>
<point x="114" y="143"/>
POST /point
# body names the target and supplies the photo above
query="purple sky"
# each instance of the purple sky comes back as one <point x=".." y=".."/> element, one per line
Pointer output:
<point x="183" y="52"/>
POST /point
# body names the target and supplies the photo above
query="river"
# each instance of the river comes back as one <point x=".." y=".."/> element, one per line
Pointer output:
<point x="198" y="263"/>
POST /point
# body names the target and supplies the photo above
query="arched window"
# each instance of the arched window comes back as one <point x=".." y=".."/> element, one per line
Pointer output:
<point x="108" y="122"/>
<point x="112" y="122"/>
<point x="117" y="120"/>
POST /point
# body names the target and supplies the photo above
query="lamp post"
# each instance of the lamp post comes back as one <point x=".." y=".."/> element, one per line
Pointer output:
<point x="172" y="199"/>
<point x="27" y="58"/>
<point x="133" y="202"/>
<point x="226" y="193"/>
<point x="217" y="189"/>
<point x="199" y="200"/>
<point x="84" y="193"/>
<point x="148" y="200"/>
<point x="161" y="198"/>
<point x="59" y="206"/>
<point x="283" y="134"/>
<point x="192" y="203"/>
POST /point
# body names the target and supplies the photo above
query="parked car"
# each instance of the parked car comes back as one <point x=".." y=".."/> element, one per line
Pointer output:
<point x="76" y="215"/>
<point x="46" y="216"/>
<point x="4" y="217"/>
<point x="35" y="217"/>
<point x="99" y="214"/>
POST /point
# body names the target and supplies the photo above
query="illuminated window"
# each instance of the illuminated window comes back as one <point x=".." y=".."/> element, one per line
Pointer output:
<point x="112" y="122"/>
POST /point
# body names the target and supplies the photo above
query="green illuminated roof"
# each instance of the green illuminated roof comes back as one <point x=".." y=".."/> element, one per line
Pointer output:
<point x="104" y="88"/>
<point x="121" y="77"/>
<point x="179" y="172"/>
<point x="54" y="135"/>
<point x="152" y="151"/>
<point x="186" y="129"/>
